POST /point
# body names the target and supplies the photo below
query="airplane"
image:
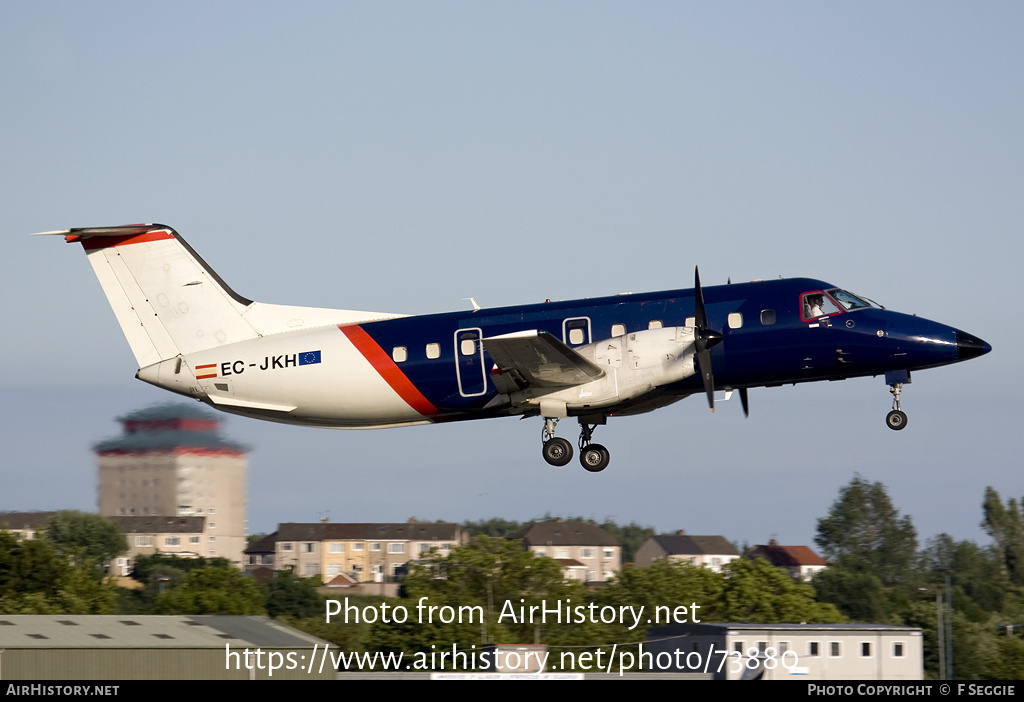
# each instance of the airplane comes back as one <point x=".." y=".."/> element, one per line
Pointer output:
<point x="590" y="359"/>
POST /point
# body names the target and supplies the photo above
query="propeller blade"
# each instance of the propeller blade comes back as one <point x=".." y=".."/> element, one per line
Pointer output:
<point x="703" y="339"/>
<point x="744" y="402"/>
<point x="704" y="358"/>
<point x="699" y="315"/>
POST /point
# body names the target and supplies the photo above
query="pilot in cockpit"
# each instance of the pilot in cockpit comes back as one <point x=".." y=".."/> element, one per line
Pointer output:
<point x="813" y="306"/>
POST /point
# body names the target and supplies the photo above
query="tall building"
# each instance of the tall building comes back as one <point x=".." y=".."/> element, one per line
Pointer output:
<point x="171" y="461"/>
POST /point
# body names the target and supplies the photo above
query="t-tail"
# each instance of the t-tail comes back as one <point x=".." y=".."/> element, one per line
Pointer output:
<point x="170" y="303"/>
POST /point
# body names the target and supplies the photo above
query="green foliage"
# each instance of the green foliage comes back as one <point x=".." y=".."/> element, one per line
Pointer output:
<point x="493" y="527"/>
<point x="1006" y="526"/>
<point x="478" y="584"/>
<point x="756" y="591"/>
<point x="876" y="579"/>
<point x="84" y="535"/>
<point x="146" y="566"/>
<point x="292" y="596"/>
<point x="37" y="579"/>
<point x="860" y="596"/>
<point x="864" y="533"/>
<point x="667" y="584"/>
<point x="212" y="589"/>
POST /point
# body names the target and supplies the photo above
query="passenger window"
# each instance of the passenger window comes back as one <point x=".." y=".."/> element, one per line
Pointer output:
<point x="655" y="324"/>
<point x="576" y="331"/>
<point x="399" y="354"/>
<point x="618" y="329"/>
<point x="767" y="317"/>
<point x="468" y="347"/>
<point x="735" y="320"/>
<point x="433" y="350"/>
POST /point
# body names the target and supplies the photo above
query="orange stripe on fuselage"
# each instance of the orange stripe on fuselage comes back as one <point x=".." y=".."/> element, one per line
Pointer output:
<point x="388" y="370"/>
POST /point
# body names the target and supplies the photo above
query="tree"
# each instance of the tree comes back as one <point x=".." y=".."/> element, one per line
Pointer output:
<point x="83" y="535"/>
<point x="757" y="591"/>
<point x="859" y="596"/>
<point x="1006" y="526"/>
<point x="36" y="579"/>
<point x="667" y="584"/>
<point x="473" y="591"/>
<point x="293" y="596"/>
<point x="212" y="590"/>
<point x="864" y="533"/>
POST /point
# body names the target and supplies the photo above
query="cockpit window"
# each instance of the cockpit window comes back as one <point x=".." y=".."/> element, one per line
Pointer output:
<point x="817" y="304"/>
<point x="849" y="301"/>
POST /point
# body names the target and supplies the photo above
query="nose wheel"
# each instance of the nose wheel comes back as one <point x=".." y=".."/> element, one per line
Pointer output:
<point x="897" y="419"/>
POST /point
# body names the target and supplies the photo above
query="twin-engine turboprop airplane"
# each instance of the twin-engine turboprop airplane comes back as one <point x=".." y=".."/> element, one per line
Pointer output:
<point x="589" y="359"/>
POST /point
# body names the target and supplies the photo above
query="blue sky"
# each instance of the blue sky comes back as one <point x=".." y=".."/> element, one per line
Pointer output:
<point x="401" y="157"/>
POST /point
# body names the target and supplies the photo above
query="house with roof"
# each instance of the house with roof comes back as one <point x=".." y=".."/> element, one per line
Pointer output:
<point x="799" y="561"/>
<point x="586" y="552"/>
<point x="24" y="525"/>
<point x="183" y="537"/>
<point x="712" y="552"/>
<point x="352" y="553"/>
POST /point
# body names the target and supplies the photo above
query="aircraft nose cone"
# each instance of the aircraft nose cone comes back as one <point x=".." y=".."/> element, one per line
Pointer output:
<point x="968" y="346"/>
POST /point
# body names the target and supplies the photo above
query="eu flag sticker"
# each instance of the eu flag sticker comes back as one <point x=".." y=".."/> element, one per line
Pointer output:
<point x="307" y="358"/>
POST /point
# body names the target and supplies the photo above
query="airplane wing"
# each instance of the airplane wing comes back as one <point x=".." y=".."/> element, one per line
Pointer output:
<point x="535" y="358"/>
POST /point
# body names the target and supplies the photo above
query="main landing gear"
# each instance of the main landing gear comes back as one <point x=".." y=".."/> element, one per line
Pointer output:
<point x="897" y="419"/>
<point x="558" y="451"/>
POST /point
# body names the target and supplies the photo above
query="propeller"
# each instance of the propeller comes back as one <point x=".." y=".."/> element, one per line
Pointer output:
<point x="704" y="339"/>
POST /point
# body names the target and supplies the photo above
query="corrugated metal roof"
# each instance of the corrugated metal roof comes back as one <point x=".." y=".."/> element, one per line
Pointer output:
<point x="148" y="631"/>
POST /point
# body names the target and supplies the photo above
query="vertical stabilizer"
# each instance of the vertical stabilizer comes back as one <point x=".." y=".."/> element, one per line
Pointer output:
<point x="166" y="299"/>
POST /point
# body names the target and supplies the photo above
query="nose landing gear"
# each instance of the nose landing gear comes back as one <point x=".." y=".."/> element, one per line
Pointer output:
<point x="897" y="419"/>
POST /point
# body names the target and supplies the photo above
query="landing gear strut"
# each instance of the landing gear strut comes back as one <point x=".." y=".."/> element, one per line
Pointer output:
<point x="593" y="457"/>
<point x="897" y="419"/>
<point x="558" y="451"/>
